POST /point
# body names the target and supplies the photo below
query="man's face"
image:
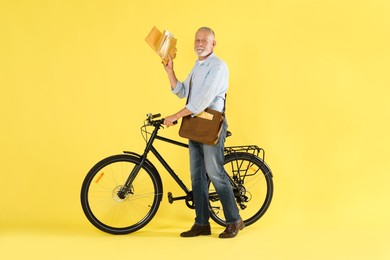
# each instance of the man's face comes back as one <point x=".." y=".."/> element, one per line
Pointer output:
<point x="204" y="44"/>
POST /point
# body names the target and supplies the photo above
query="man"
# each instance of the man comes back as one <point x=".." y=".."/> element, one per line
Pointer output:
<point x="208" y="80"/>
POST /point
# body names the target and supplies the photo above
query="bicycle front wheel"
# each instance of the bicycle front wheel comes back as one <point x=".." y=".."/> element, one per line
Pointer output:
<point x="114" y="213"/>
<point x="252" y="184"/>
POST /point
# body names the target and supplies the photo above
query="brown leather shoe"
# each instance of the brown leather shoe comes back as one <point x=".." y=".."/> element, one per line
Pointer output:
<point x="197" y="230"/>
<point x="232" y="229"/>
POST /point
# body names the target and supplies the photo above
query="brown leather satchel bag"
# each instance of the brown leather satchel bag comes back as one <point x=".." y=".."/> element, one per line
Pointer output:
<point x="203" y="128"/>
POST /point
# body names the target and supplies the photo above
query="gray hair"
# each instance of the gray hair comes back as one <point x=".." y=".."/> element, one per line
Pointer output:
<point x="208" y="29"/>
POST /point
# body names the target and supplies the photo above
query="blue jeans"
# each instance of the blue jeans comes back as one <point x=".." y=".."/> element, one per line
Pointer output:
<point x="206" y="161"/>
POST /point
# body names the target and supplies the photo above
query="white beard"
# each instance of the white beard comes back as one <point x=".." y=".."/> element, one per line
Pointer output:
<point x="203" y="53"/>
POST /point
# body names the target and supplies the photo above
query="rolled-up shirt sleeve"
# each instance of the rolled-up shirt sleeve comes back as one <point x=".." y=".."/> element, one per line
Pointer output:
<point x="181" y="89"/>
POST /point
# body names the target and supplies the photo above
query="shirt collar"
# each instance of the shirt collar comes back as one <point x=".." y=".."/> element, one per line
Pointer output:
<point x="207" y="60"/>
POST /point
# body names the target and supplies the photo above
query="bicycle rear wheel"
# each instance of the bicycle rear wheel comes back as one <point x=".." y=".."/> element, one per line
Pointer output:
<point x="252" y="185"/>
<point x="117" y="214"/>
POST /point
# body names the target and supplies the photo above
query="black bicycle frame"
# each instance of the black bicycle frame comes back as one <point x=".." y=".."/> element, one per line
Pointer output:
<point x="149" y="147"/>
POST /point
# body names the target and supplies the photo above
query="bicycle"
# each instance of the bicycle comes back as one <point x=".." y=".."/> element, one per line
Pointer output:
<point x="122" y="193"/>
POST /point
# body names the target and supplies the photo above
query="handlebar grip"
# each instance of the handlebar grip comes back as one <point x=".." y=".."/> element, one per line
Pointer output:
<point x="162" y="121"/>
<point x="150" y="116"/>
<point x="156" y="116"/>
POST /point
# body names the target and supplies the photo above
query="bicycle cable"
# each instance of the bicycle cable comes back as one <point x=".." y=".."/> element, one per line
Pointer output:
<point x="144" y="131"/>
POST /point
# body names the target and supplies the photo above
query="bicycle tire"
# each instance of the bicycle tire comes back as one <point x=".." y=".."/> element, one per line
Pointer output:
<point x="102" y="205"/>
<point x="254" y="175"/>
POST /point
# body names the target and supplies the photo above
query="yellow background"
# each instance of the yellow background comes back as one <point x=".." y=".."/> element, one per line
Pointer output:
<point x="308" y="82"/>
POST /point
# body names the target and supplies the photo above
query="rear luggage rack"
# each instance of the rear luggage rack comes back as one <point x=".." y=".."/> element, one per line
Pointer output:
<point x="252" y="149"/>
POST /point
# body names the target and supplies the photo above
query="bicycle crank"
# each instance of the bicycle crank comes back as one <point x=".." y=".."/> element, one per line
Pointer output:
<point x="188" y="199"/>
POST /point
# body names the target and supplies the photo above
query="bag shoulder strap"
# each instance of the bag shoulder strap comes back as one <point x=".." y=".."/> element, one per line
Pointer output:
<point x="189" y="90"/>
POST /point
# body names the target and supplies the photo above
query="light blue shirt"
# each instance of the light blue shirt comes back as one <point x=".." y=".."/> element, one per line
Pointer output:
<point x="209" y="85"/>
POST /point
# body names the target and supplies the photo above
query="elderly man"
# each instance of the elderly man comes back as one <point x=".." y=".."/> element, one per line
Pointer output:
<point x="208" y="81"/>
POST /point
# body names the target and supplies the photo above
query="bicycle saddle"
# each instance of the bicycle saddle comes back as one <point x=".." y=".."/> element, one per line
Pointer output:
<point x="228" y="133"/>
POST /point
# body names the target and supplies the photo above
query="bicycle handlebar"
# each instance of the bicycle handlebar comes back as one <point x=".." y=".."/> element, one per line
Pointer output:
<point x="159" y="122"/>
<point x="151" y="116"/>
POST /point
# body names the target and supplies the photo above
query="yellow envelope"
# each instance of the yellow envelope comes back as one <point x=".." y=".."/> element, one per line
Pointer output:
<point x="163" y="44"/>
<point x="205" y="115"/>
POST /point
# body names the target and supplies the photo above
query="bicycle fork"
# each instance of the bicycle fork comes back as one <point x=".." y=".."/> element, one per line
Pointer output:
<point x="126" y="189"/>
